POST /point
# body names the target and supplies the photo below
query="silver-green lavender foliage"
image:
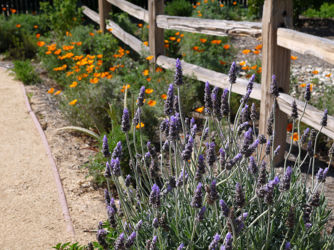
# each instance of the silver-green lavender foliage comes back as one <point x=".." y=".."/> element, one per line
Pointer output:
<point x="210" y="186"/>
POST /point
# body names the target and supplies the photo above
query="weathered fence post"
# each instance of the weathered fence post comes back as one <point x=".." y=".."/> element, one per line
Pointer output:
<point x="156" y="35"/>
<point x="104" y="9"/>
<point x="275" y="61"/>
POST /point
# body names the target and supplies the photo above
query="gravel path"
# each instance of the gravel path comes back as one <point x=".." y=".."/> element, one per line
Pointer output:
<point x="30" y="212"/>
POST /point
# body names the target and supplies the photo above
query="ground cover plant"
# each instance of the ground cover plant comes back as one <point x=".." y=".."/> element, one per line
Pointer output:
<point x="213" y="186"/>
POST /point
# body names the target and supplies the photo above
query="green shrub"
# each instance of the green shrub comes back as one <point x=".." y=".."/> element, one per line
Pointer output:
<point x="178" y="8"/>
<point x="26" y="73"/>
<point x="326" y="11"/>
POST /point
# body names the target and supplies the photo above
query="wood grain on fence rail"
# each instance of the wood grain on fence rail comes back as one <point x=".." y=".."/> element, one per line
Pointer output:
<point x="132" y="9"/>
<point x="118" y="32"/>
<point x="208" y="26"/>
<point x="214" y="78"/>
<point x="312" y="116"/>
<point x="306" y="44"/>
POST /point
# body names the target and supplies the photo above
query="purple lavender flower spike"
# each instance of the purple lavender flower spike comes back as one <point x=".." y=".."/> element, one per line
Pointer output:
<point x="252" y="148"/>
<point x="325" y="173"/>
<point x="198" y="197"/>
<point x="251" y="82"/>
<point x="154" y="199"/>
<point x="141" y="96"/>
<point x="245" y="98"/>
<point x="216" y="103"/>
<point x="181" y="246"/>
<point x="117" y="151"/>
<point x="211" y="154"/>
<point x="116" y="167"/>
<point x="119" y="243"/>
<point x="136" y="119"/>
<point x="294" y="113"/>
<point x="126" y="121"/>
<point x="268" y="146"/>
<point x="307" y="94"/>
<point x="105" y="147"/>
<point x="205" y="134"/>
<point x="305" y="135"/>
<point x="192" y="122"/>
<point x="178" y="73"/>
<point x="212" y="193"/>
<point x="248" y="139"/>
<point x="106" y="196"/>
<point x="232" y="162"/>
<point x="200" y="215"/>
<point x="186" y="153"/>
<point x="308" y="225"/>
<point x="232" y="74"/>
<point x="214" y="243"/>
<point x="101" y="237"/>
<point x="128" y="180"/>
<point x="324" y="118"/>
<point x="107" y="172"/>
<point x="287" y="246"/>
<point x="173" y="128"/>
<point x="245" y="115"/>
<point x="239" y="195"/>
<point x="168" y="108"/>
<point x="228" y="242"/>
<point x="200" y="171"/>
<point x="138" y="225"/>
<point x="155" y="223"/>
<point x="285" y="184"/>
<point x="183" y="177"/>
<point x="274" y="87"/>
<point x="193" y="130"/>
<point x="225" y="108"/>
<point x="111" y="216"/>
<point x="130" y="240"/>
<point x="224" y="208"/>
<point x="320" y="175"/>
<point x="222" y="159"/>
<point x="207" y="99"/>
<point x="252" y="168"/>
<point x="254" y="114"/>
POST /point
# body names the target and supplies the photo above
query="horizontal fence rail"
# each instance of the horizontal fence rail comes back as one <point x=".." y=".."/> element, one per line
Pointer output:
<point x="306" y="44"/>
<point x="209" y="26"/>
<point x="132" y="9"/>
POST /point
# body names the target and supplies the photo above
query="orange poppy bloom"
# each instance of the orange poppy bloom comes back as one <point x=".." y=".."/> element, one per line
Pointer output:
<point x="94" y="80"/>
<point x="99" y="56"/>
<point x="328" y="75"/>
<point x="51" y="90"/>
<point x="57" y="52"/>
<point x="222" y="62"/>
<point x="140" y="25"/>
<point x="18" y="25"/>
<point x="243" y="63"/>
<point x="200" y="14"/>
<point x="148" y="79"/>
<point x="172" y="38"/>
<point x="177" y="33"/>
<point x="40" y="43"/>
<point x="91" y="34"/>
<point x="226" y="46"/>
<point x="110" y="29"/>
<point x="74" y="84"/>
<point x="48" y="52"/>
<point x="146" y="72"/>
<point x="303" y="85"/>
<point x="38" y="36"/>
<point x="149" y="58"/>
<point x="315" y="72"/>
<point x="198" y="3"/>
<point x="182" y="35"/>
<point x="245" y="68"/>
<point x="151" y="103"/>
<point x="35" y="26"/>
<point x="178" y="40"/>
<point x="259" y="70"/>
<point x="145" y="43"/>
<point x="294" y="57"/>
<point x="4" y="9"/>
<point x="221" y="5"/>
<point x="194" y="6"/>
<point x="216" y="41"/>
<point x="258" y="47"/>
<point x="295" y="136"/>
<point x="68" y="33"/>
<point x="203" y="40"/>
<point x="200" y="109"/>
<point x="256" y="52"/>
<point x="13" y="11"/>
<point x="289" y="127"/>
<point x="164" y="96"/>
<point x="245" y="51"/>
<point x="149" y="91"/>
<point x="195" y="48"/>
<point x="254" y="67"/>
<point x="158" y="69"/>
<point x="234" y="3"/>
<point x="58" y="92"/>
<point x="166" y="46"/>
<point x="72" y="103"/>
<point x="141" y="125"/>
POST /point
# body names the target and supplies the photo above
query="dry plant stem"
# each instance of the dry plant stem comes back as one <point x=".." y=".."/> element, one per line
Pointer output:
<point x="272" y="171"/>
<point x="180" y="111"/>
<point x="257" y="218"/>
<point x="291" y="143"/>
<point x="268" y="227"/>
<point x="314" y="150"/>
<point x="299" y="145"/>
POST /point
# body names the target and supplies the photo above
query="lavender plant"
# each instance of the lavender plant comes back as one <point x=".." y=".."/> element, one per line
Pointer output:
<point x="208" y="187"/>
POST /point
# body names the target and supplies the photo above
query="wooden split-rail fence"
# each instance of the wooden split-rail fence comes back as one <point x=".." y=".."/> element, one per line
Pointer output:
<point x="278" y="39"/>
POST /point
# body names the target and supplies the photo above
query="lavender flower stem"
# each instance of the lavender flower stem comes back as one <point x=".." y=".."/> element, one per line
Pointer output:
<point x="290" y="148"/>
<point x="180" y="112"/>
<point x="314" y="150"/>
<point x="257" y="218"/>
<point x="298" y="127"/>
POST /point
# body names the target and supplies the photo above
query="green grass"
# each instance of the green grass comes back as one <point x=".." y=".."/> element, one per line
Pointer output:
<point x="26" y="73"/>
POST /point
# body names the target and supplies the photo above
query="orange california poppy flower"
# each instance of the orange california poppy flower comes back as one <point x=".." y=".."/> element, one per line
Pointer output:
<point x="166" y="46"/>
<point x="243" y="63"/>
<point x="234" y="3"/>
<point x="145" y="43"/>
<point x="245" y="51"/>
<point x="222" y="62"/>
<point x="200" y="14"/>
<point x="216" y="41"/>
<point x="149" y="91"/>
<point x="158" y="69"/>
<point x="58" y="92"/>
<point x="178" y="40"/>
<point x="200" y="109"/>
<point x="148" y="79"/>
<point x="18" y="25"/>
<point x="226" y="46"/>
<point x="99" y="56"/>
<point x="164" y="96"/>
<point x="13" y="11"/>
<point x="146" y="72"/>
<point x="40" y="43"/>
<point x="149" y="58"/>
<point x="289" y="127"/>
<point x="195" y="48"/>
<point x="198" y="3"/>
<point x="177" y="33"/>
<point x="221" y="5"/>
<point x="72" y="103"/>
<point x="256" y="52"/>
<point x="203" y="40"/>
<point x="35" y="26"/>
<point x="328" y="75"/>
<point x="140" y="25"/>
<point x="68" y="33"/>
<point x="245" y="68"/>
<point x="94" y="80"/>
<point x="303" y="85"/>
<point x="294" y="57"/>
<point x="51" y="90"/>
<point x="91" y="34"/>
<point x="259" y="70"/>
<point x="38" y="36"/>
<point x="74" y="84"/>
<point x="254" y="67"/>
<point x="172" y="38"/>
<point x="141" y="125"/>
<point x="194" y="6"/>
<point x="315" y="72"/>
<point x="258" y="47"/>
<point x="182" y="35"/>
<point x="151" y="103"/>
<point x="57" y="52"/>
<point x="295" y="136"/>
<point x="4" y="9"/>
